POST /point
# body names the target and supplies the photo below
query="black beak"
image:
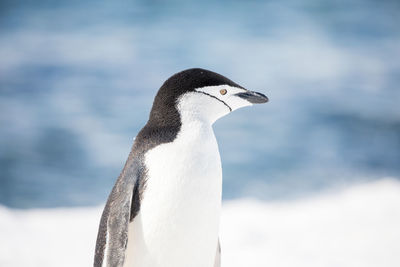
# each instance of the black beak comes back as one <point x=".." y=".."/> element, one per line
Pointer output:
<point x="253" y="97"/>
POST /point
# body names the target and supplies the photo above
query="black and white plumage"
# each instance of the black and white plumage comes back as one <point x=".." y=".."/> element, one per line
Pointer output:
<point x="165" y="206"/>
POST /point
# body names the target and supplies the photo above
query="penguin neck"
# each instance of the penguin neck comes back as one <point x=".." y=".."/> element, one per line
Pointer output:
<point x="164" y="115"/>
<point x="167" y="121"/>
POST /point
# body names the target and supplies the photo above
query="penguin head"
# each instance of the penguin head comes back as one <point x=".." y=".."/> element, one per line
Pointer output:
<point x="200" y="94"/>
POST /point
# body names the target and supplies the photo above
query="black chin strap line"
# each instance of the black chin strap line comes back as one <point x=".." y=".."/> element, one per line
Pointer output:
<point x="223" y="102"/>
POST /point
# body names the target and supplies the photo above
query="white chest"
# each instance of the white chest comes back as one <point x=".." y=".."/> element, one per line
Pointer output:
<point x="179" y="217"/>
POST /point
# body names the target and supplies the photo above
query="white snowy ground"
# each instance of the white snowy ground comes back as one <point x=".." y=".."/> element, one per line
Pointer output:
<point x="356" y="226"/>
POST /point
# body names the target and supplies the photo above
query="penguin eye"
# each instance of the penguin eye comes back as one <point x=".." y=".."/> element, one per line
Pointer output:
<point x="223" y="91"/>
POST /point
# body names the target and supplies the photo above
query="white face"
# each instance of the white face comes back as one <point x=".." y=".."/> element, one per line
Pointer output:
<point x="211" y="102"/>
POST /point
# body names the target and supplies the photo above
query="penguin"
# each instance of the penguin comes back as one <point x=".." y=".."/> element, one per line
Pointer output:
<point x="164" y="209"/>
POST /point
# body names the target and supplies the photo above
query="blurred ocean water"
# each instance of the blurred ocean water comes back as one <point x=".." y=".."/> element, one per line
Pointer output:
<point x="77" y="81"/>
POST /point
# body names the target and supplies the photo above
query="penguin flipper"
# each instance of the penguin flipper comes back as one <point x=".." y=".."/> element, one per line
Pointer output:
<point x="121" y="208"/>
<point x="217" y="262"/>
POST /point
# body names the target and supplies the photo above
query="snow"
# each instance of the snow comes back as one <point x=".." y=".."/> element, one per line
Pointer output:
<point x="356" y="226"/>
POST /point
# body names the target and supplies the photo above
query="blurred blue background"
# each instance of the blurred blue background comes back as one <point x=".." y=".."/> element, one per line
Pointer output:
<point x="77" y="80"/>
